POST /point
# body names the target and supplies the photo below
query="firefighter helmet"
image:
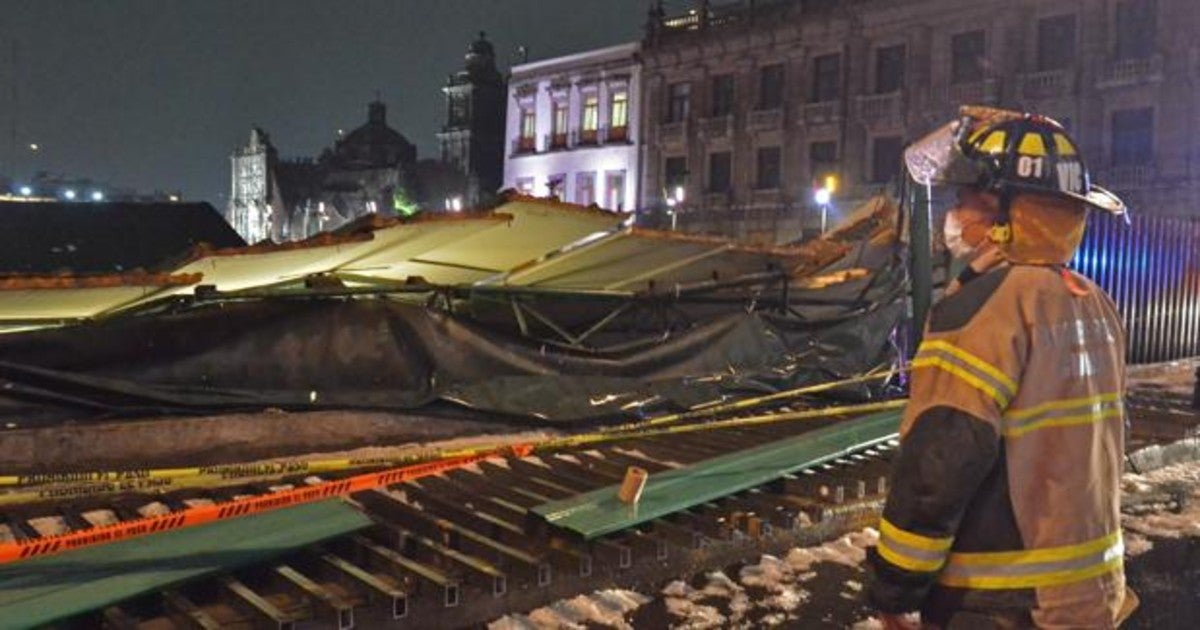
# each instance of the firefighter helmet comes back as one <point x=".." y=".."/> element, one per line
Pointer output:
<point x="1008" y="152"/>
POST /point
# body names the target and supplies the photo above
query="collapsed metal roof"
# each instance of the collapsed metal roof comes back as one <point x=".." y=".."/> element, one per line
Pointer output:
<point x="525" y="243"/>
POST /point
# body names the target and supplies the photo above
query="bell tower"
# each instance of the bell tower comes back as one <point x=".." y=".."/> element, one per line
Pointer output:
<point x="472" y="140"/>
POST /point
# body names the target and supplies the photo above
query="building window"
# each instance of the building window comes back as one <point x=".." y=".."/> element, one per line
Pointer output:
<point x="1136" y="24"/>
<point x="675" y="174"/>
<point x="720" y="171"/>
<point x="822" y="159"/>
<point x="1133" y="137"/>
<point x="770" y="87"/>
<point x="528" y="139"/>
<point x="556" y="186"/>
<point x="885" y="159"/>
<point x="967" y="57"/>
<point x="618" y="116"/>
<point x="767" y="174"/>
<point x="679" y="102"/>
<point x="615" y="189"/>
<point x="722" y="95"/>
<point x="591" y="118"/>
<point x="559" y="138"/>
<point x="1056" y="43"/>
<point x="585" y="189"/>
<point x="889" y="69"/>
<point x="827" y="78"/>
<point x="459" y="113"/>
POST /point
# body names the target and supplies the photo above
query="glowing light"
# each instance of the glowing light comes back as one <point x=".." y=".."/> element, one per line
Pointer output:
<point x="822" y="196"/>
<point x="173" y="198"/>
<point x="454" y="204"/>
<point x="69" y="194"/>
<point x="97" y="195"/>
<point x="679" y="194"/>
<point x="831" y="183"/>
<point x="26" y="191"/>
<point x="33" y="146"/>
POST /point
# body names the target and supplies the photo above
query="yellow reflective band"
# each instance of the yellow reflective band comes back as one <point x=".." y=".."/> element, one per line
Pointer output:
<point x="1064" y="421"/>
<point x="972" y="360"/>
<point x="1033" y="568"/>
<point x="1035" y="556"/>
<point x="908" y="562"/>
<point x="1053" y="578"/>
<point x="993" y="143"/>
<point x="1057" y="405"/>
<point x="1064" y="145"/>
<point x="888" y="530"/>
<point x="966" y="376"/>
<point x="1032" y="144"/>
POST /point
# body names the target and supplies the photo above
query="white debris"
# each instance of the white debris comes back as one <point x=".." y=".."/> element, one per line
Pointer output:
<point x="719" y="585"/>
<point x="768" y="573"/>
<point x="1136" y="545"/>
<point x="513" y="622"/>
<point x="605" y="608"/>
<point x="678" y="588"/>
<point x="1181" y="481"/>
<point x="694" y="616"/>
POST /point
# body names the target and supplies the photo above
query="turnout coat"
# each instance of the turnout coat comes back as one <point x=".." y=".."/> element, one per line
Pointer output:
<point x="1005" y="493"/>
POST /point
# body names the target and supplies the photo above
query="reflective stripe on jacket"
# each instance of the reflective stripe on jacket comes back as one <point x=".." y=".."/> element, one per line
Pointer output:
<point x="1005" y="493"/>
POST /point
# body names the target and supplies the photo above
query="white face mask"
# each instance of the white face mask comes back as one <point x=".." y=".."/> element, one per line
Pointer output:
<point x="952" y="233"/>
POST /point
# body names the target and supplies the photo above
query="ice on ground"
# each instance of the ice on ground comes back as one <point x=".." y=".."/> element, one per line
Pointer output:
<point x="678" y="588"/>
<point x="602" y="608"/>
<point x="768" y="573"/>
<point x="694" y="616"/>
<point x="719" y="585"/>
<point x="1181" y="481"/>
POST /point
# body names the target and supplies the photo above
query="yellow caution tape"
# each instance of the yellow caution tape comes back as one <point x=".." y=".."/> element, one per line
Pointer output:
<point x="61" y="486"/>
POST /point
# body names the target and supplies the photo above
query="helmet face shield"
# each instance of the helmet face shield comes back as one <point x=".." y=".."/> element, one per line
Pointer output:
<point x="938" y="159"/>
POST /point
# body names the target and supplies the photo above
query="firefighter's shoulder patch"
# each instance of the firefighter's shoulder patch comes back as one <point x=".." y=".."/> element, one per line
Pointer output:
<point x="959" y="309"/>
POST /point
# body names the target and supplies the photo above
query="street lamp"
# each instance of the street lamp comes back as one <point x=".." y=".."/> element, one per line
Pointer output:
<point x="823" y="196"/>
<point x="26" y="191"/>
<point x="97" y="195"/>
<point x="674" y="199"/>
<point x="69" y="194"/>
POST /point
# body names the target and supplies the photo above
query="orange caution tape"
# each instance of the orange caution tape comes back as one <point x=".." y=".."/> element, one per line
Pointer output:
<point x="26" y="549"/>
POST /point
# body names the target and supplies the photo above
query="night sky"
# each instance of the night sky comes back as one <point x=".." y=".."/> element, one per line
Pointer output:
<point x="156" y="94"/>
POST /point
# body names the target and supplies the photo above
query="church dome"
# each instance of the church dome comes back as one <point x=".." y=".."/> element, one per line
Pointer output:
<point x="481" y="47"/>
<point x="375" y="144"/>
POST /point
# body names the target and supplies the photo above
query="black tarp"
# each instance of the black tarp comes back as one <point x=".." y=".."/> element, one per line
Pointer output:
<point x="381" y="354"/>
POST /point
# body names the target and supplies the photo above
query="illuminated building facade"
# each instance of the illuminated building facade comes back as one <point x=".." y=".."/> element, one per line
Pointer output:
<point x="369" y="170"/>
<point x="574" y="128"/>
<point x="751" y="106"/>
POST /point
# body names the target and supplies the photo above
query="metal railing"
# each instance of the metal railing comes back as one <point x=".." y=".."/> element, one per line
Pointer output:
<point x="1151" y="269"/>
<point x="1047" y="83"/>
<point x="1123" y="72"/>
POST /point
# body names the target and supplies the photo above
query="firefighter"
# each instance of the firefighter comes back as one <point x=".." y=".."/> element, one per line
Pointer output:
<point x="1004" y="503"/>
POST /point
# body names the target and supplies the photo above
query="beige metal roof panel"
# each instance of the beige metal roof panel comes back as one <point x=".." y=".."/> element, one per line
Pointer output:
<point x="377" y="252"/>
<point x="538" y="227"/>
<point x="630" y="260"/>
<point x="50" y="299"/>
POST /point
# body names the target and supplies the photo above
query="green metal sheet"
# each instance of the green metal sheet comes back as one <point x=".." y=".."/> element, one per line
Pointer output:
<point x="599" y="512"/>
<point x="52" y="588"/>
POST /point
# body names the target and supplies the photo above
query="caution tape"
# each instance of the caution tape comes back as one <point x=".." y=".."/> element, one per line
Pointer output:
<point x="23" y="550"/>
<point x="199" y="515"/>
<point x="60" y="486"/>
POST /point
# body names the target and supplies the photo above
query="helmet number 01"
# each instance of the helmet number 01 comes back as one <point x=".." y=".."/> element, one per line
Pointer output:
<point x="1030" y="166"/>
